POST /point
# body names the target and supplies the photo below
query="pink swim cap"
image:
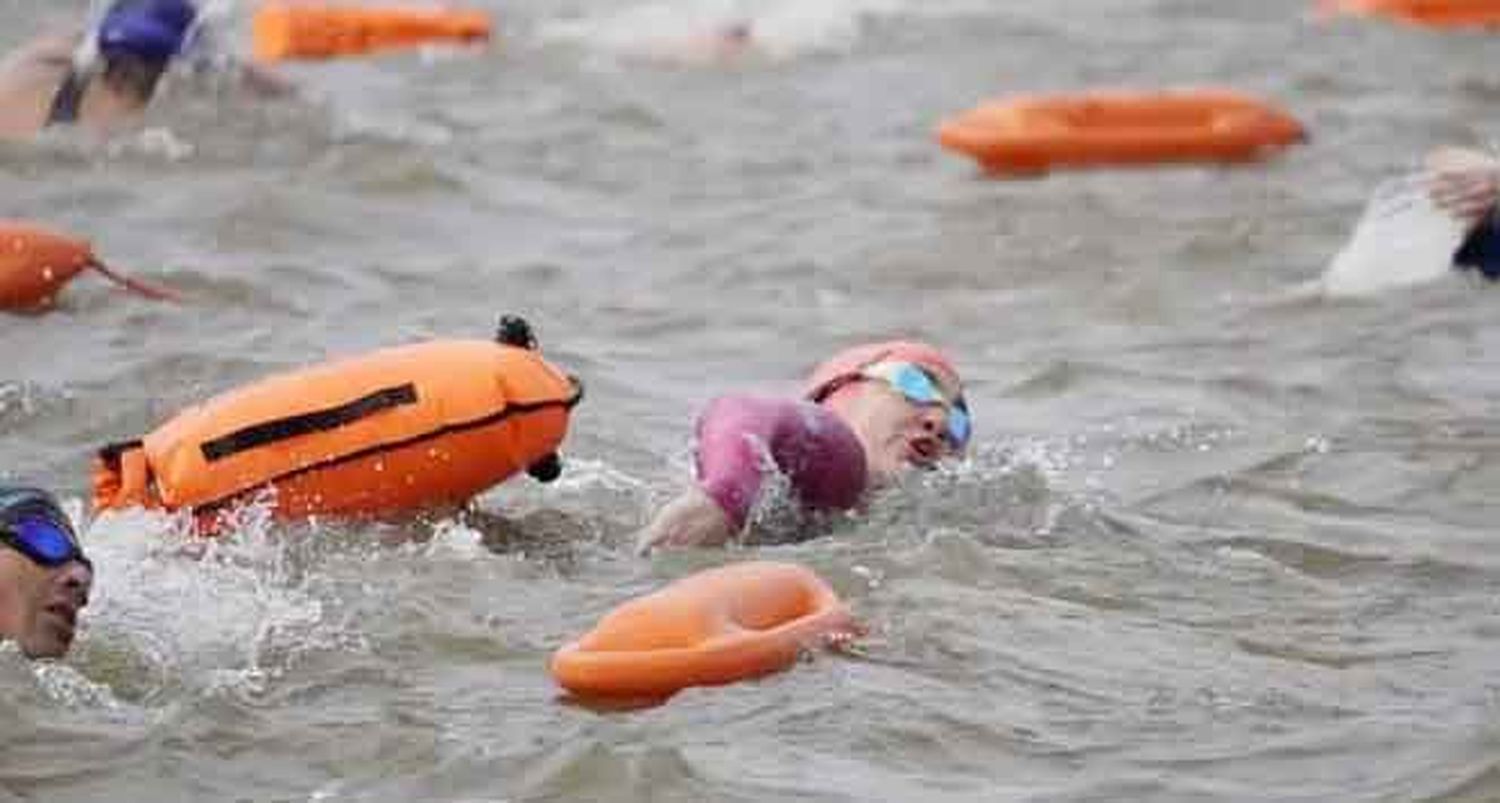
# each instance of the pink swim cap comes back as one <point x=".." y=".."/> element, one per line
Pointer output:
<point x="851" y="361"/>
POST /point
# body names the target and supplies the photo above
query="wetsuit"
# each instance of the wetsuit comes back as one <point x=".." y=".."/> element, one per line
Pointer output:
<point x="1481" y="249"/>
<point x="741" y="437"/>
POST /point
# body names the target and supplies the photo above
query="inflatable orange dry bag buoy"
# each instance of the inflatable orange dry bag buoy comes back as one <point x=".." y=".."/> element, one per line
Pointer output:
<point x="285" y="30"/>
<point x="716" y="627"/>
<point x="395" y="431"/>
<point x="35" y="263"/>
<point x="1034" y="134"/>
<point x="1429" y="13"/>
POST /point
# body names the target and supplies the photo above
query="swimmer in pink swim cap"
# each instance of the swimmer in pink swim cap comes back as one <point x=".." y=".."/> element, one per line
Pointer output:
<point x="866" y="414"/>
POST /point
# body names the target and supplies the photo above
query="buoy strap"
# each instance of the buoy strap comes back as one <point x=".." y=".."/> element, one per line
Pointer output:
<point x="510" y="410"/>
<point x="110" y="452"/>
<point x="280" y="429"/>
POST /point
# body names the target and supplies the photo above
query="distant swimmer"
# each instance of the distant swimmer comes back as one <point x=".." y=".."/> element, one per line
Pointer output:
<point x="866" y="414"/>
<point x="725" y="44"/>
<point x="44" y="576"/>
<point x="106" y="78"/>
<point x="1466" y="184"/>
<point x="734" y="39"/>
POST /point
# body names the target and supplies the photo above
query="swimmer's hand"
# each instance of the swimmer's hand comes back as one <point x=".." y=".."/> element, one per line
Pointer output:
<point x="692" y="519"/>
<point x="1464" y="183"/>
<point x="847" y="640"/>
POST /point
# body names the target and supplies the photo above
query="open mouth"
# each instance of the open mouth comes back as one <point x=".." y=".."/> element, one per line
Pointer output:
<point x="66" y="614"/>
<point x="923" y="451"/>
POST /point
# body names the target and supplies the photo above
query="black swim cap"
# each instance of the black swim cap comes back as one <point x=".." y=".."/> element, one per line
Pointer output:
<point x="18" y="501"/>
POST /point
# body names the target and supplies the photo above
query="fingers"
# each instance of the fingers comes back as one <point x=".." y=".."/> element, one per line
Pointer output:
<point x="672" y="529"/>
<point x="840" y="641"/>
<point x="692" y="519"/>
<point x="646" y="541"/>
<point x="1467" y="194"/>
<point x="1466" y="199"/>
<point x="658" y="533"/>
<point x="849" y="639"/>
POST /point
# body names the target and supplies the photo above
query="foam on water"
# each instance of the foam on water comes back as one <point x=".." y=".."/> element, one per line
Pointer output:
<point x="232" y="610"/>
<point x="1402" y="239"/>
<point x="686" y="31"/>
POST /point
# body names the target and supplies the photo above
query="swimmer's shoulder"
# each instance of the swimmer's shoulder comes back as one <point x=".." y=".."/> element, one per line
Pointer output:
<point x="29" y="77"/>
<point x="52" y="50"/>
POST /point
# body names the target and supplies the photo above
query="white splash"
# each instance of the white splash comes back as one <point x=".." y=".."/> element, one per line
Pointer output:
<point x="238" y="606"/>
<point x="1402" y="239"/>
<point x="699" y="31"/>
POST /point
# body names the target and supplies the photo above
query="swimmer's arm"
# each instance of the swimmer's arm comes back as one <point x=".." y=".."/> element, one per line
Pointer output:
<point x="53" y="47"/>
<point x="733" y="437"/>
<point x="692" y="519"/>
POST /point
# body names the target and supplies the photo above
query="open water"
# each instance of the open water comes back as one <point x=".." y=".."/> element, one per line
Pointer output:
<point x="1219" y="541"/>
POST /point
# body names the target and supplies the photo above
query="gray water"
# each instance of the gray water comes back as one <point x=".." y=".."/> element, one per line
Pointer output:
<point x="1218" y="541"/>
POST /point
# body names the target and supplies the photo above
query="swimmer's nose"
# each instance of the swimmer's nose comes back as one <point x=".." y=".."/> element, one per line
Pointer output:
<point x="935" y="429"/>
<point x="934" y="421"/>
<point x="77" y="579"/>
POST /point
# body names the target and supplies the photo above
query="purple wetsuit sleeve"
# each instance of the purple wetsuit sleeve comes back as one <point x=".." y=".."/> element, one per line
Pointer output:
<point x="740" y="436"/>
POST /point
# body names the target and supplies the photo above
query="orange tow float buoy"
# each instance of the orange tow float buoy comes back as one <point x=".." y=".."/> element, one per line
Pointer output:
<point x="390" y="432"/>
<point x="1033" y="134"/>
<point x="285" y="30"/>
<point x="1428" y="13"/>
<point x="35" y="263"/>
<point x="715" y="627"/>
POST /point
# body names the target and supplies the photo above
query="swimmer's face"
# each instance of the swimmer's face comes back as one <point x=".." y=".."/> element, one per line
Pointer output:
<point x="39" y="606"/>
<point x="737" y="33"/>
<point x="899" y="432"/>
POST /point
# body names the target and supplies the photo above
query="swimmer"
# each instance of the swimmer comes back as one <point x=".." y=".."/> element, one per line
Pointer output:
<point x="1466" y="184"/>
<point x="44" y="576"/>
<point x="866" y="415"/>
<point x="106" y="79"/>
<point x="734" y="39"/>
<point x="725" y="44"/>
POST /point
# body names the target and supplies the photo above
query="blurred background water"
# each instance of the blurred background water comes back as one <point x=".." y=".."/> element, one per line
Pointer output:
<point x="1218" y="541"/>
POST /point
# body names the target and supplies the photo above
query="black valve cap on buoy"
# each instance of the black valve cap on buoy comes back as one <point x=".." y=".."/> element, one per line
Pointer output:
<point x="547" y="469"/>
<point x="515" y="331"/>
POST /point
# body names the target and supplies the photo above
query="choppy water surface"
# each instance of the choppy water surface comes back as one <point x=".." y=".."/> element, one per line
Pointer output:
<point x="1218" y="542"/>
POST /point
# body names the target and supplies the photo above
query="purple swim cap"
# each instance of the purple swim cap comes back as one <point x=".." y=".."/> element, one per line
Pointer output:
<point x="150" y="29"/>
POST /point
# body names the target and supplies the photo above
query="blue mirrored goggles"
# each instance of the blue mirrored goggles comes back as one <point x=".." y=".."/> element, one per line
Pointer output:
<point x="919" y="387"/>
<point x="46" y="542"/>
